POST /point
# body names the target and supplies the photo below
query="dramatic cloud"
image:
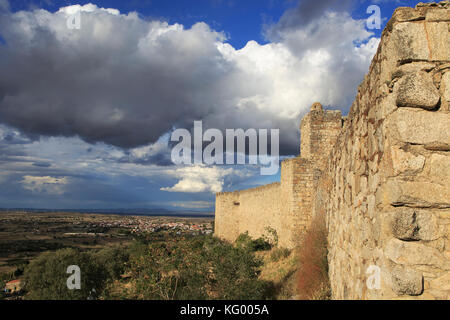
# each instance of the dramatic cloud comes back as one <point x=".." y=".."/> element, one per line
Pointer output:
<point x="195" y="179"/>
<point x="127" y="81"/>
<point x="88" y="113"/>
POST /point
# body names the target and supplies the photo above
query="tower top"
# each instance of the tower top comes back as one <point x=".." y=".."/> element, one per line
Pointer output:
<point x="316" y="106"/>
<point x="319" y="129"/>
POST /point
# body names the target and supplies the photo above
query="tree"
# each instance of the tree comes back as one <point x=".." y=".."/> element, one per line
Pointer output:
<point x="46" y="277"/>
<point x="112" y="260"/>
<point x="195" y="268"/>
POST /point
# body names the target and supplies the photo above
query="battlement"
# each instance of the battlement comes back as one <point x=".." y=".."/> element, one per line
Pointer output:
<point x="318" y="131"/>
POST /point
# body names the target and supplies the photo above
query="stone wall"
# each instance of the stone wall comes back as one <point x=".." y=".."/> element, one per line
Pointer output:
<point x="381" y="177"/>
<point x="386" y="187"/>
<point x="285" y="206"/>
<point x="254" y="210"/>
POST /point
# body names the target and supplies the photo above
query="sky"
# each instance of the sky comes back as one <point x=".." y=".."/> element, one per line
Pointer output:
<point x="86" y="114"/>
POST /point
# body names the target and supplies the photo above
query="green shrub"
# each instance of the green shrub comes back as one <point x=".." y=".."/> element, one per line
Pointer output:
<point x="181" y="268"/>
<point x="244" y="241"/>
<point x="196" y="268"/>
<point x="112" y="260"/>
<point x="46" y="277"/>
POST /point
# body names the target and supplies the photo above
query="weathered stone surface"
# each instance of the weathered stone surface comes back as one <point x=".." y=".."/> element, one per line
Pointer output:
<point x="445" y="86"/>
<point x="437" y="15"/>
<point x="439" y="169"/>
<point x="406" y="281"/>
<point x="413" y="253"/>
<point x="414" y="194"/>
<point x="426" y="4"/>
<point x="432" y="5"/>
<point x="438" y="39"/>
<point x="404" y="225"/>
<point x="417" y="90"/>
<point x="406" y="162"/>
<point x="409" y="42"/>
<point x="407" y="14"/>
<point x="413" y="224"/>
<point x="420" y="127"/>
<point x="441" y="283"/>
<point x="412" y="67"/>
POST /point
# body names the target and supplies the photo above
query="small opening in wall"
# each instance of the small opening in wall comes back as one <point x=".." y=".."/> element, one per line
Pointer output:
<point x="236" y="203"/>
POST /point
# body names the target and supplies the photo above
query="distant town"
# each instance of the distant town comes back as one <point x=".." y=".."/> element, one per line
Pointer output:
<point x="144" y="224"/>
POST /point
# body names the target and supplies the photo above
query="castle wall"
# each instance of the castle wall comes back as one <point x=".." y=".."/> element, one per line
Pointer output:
<point x="227" y="215"/>
<point x="252" y="211"/>
<point x="385" y="190"/>
<point x="260" y="208"/>
<point x="285" y="206"/>
<point x="381" y="180"/>
<point x="319" y="131"/>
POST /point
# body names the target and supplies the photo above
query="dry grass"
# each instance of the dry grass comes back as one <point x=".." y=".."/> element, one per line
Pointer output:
<point x="280" y="272"/>
<point x="312" y="275"/>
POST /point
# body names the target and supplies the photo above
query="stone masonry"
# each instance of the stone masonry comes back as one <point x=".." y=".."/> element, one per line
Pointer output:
<point x="285" y="206"/>
<point x="386" y="187"/>
<point x="381" y="177"/>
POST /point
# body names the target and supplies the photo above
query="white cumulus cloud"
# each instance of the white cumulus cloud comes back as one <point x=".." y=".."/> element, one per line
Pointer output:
<point x="193" y="179"/>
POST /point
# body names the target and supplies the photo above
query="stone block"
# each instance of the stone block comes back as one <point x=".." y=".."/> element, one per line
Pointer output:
<point x="419" y="126"/>
<point x="439" y="168"/>
<point x="413" y="224"/>
<point x="417" y="194"/>
<point x="441" y="283"/>
<point x="445" y="86"/>
<point x="417" y="90"/>
<point x="408" y="41"/>
<point x="409" y="253"/>
<point x="438" y="39"/>
<point x="406" y="281"/>
<point x="412" y="67"/>
<point x="406" y="14"/>
<point x="436" y="15"/>
<point x="406" y="162"/>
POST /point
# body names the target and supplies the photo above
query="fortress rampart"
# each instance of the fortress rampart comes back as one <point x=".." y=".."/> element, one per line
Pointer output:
<point x="285" y="206"/>
<point x="381" y="177"/>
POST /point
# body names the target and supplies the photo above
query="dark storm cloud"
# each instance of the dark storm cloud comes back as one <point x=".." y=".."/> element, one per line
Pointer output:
<point x="127" y="81"/>
<point x="103" y="91"/>
<point x="118" y="79"/>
